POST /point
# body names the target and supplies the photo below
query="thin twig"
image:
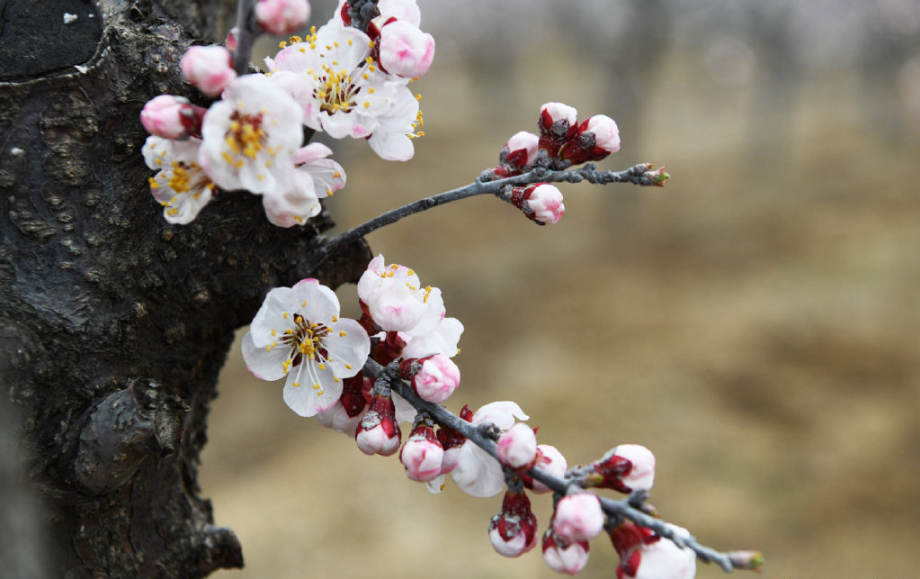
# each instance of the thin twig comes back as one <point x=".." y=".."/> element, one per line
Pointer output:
<point x="245" y="37"/>
<point x="637" y="175"/>
<point x="614" y="508"/>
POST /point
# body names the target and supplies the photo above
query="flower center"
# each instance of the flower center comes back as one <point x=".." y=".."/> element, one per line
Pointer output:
<point x="305" y="340"/>
<point x="336" y="91"/>
<point x="246" y="136"/>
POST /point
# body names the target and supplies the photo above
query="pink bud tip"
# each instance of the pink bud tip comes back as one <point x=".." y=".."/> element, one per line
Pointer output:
<point x="209" y="68"/>
<point x="422" y="455"/>
<point x="280" y="17"/>
<point x="564" y="556"/>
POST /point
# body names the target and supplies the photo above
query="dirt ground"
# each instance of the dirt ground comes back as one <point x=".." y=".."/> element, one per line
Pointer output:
<point x="754" y="324"/>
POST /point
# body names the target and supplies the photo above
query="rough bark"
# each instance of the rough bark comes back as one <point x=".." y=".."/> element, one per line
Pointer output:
<point x="114" y="324"/>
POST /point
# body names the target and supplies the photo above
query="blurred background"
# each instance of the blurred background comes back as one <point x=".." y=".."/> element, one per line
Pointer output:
<point x="754" y="323"/>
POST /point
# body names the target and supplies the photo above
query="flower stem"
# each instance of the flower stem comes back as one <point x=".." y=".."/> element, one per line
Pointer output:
<point x="622" y="508"/>
<point x="245" y="36"/>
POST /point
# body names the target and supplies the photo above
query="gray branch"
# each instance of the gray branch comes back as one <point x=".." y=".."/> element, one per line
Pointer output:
<point x="483" y="438"/>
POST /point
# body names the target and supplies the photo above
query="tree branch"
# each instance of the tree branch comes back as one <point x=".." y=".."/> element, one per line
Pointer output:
<point x="623" y="508"/>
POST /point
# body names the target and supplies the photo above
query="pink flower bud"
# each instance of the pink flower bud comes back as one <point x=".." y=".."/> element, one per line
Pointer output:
<point x="550" y="461"/>
<point x="349" y="411"/>
<point x="378" y="432"/>
<point x="517" y="155"/>
<point x="594" y="139"/>
<point x="557" y="125"/>
<point x="513" y="531"/>
<point x="280" y="17"/>
<point x="517" y="447"/>
<point x="209" y="68"/>
<point x="626" y="468"/>
<point x="437" y="379"/>
<point x="579" y="517"/>
<point x="562" y="556"/>
<point x="172" y="117"/>
<point x="522" y="149"/>
<point x="405" y="50"/>
<point x="541" y="203"/>
<point x="644" y="555"/>
<point x="422" y="454"/>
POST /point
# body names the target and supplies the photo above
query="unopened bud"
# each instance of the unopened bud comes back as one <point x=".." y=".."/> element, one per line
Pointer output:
<point x="550" y="461"/>
<point x="172" y="117"/>
<point x="748" y="560"/>
<point x="209" y="68"/>
<point x="579" y="517"/>
<point x="437" y="378"/>
<point x="517" y="447"/>
<point x="557" y="125"/>
<point x="378" y="432"/>
<point x="595" y="139"/>
<point x="563" y="556"/>
<point x="405" y="50"/>
<point x="422" y="454"/>
<point x="541" y="203"/>
<point x="626" y="468"/>
<point x="513" y="531"/>
<point x="280" y="17"/>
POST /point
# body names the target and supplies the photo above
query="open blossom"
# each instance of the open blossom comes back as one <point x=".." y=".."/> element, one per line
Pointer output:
<point x="562" y="556"/>
<point x="209" y="68"/>
<point x="180" y="185"/>
<point x="513" y="531"/>
<point x="345" y="94"/>
<point x="517" y="447"/>
<point x="314" y="177"/>
<point x="645" y="555"/>
<point x="578" y="517"/>
<point x="396" y="300"/>
<point x="477" y="473"/>
<point x="298" y="333"/>
<point x="251" y="136"/>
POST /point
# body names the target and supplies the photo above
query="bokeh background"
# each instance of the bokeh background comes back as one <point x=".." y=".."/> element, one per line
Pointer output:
<point x="754" y="323"/>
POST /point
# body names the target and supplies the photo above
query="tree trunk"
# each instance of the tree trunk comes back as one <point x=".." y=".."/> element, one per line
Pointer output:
<point x="113" y="323"/>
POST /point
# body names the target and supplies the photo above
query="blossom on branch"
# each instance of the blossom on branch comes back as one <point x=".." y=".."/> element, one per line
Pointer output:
<point x="345" y="94"/>
<point x="517" y="447"/>
<point x="298" y="333"/>
<point x="550" y="461"/>
<point x="180" y="185"/>
<point x="251" y="135"/>
<point x="541" y="202"/>
<point x="422" y="454"/>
